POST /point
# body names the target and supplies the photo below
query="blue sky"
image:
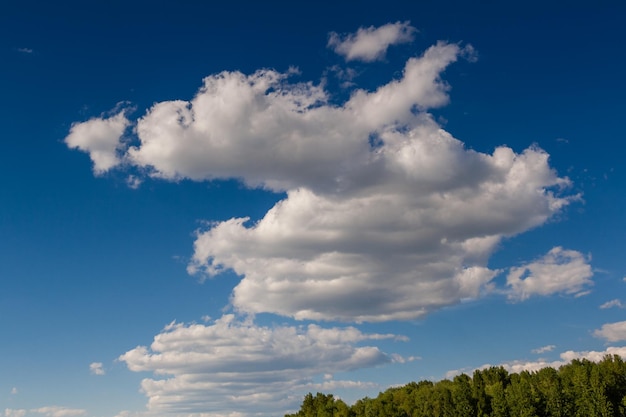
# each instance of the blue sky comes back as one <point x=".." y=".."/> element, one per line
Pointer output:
<point x="213" y="210"/>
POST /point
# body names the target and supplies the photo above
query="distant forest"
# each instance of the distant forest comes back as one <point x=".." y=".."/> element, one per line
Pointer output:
<point x="579" y="389"/>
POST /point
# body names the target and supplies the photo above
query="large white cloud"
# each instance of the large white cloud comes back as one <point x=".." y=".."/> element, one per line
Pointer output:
<point x="370" y="44"/>
<point x="559" y="271"/>
<point x="233" y="365"/>
<point x="387" y="216"/>
<point x="268" y="132"/>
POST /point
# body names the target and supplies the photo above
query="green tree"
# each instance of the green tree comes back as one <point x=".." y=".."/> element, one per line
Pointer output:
<point x="519" y="396"/>
<point x="499" y="406"/>
<point x="464" y="403"/>
<point x="483" y="403"/>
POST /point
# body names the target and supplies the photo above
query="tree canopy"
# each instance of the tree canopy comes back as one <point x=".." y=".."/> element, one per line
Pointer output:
<point x="579" y="389"/>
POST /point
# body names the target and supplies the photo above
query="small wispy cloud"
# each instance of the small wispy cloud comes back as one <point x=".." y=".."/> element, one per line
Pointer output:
<point x="613" y="303"/>
<point x="25" y="50"/>
<point x="96" y="368"/>
<point x="544" y="349"/>
<point x="14" y="391"/>
<point x="370" y="44"/>
<point x="133" y="182"/>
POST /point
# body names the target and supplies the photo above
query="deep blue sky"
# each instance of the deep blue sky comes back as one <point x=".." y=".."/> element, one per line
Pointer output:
<point x="90" y="268"/>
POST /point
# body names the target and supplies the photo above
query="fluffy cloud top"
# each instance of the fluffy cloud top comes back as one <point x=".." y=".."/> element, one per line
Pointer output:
<point x="387" y="216"/>
<point x="612" y="332"/>
<point x="370" y="44"/>
<point x="236" y="366"/>
<point x="559" y="271"/>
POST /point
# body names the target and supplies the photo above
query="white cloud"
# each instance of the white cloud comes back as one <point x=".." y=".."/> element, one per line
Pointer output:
<point x="387" y="216"/>
<point x="594" y="356"/>
<point x="370" y="44"/>
<point x="25" y="50"/>
<point x="96" y="368"/>
<point x="56" y="411"/>
<point x="14" y="391"/>
<point x="544" y="349"/>
<point x="232" y="365"/>
<point x="565" y="358"/>
<point x="48" y="411"/>
<point x="282" y="136"/>
<point x="415" y="241"/>
<point x="612" y="332"/>
<point x="126" y="413"/>
<point x="100" y="138"/>
<point x="613" y="303"/>
<point x="559" y="271"/>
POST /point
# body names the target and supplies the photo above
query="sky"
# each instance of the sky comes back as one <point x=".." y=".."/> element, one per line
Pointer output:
<point x="212" y="210"/>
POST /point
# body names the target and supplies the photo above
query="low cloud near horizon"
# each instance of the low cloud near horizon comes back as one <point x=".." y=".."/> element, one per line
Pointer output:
<point x="233" y="364"/>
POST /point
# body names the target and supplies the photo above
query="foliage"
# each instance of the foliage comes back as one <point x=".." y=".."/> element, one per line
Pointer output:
<point x="579" y="389"/>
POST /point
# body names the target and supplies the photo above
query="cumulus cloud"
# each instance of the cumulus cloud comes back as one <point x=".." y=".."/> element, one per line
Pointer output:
<point x="96" y="368"/>
<point x="233" y="365"/>
<point x="612" y="332"/>
<point x="48" y="411"/>
<point x="565" y="358"/>
<point x="100" y="138"/>
<point x="415" y="240"/>
<point x="282" y="136"/>
<point x="370" y="44"/>
<point x="559" y="271"/>
<point x="386" y="216"/>
<point x="544" y="349"/>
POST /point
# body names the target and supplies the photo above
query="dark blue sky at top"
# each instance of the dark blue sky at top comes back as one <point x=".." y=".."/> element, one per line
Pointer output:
<point x="550" y="73"/>
<point x="545" y="71"/>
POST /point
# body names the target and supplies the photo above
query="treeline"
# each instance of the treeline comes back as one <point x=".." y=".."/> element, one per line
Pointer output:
<point x="579" y="389"/>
